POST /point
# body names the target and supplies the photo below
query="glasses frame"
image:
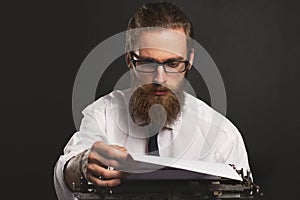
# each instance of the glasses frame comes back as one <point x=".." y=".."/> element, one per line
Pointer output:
<point x="132" y="55"/>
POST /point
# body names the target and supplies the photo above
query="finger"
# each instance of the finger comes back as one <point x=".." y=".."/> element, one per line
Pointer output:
<point x="110" y="155"/>
<point x="96" y="158"/>
<point x="109" y="151"/>
<point x="99" y="171"/>
<point x="119" y="148"/>
<point x="103" y="161"/>
<point x="103" y="183"/>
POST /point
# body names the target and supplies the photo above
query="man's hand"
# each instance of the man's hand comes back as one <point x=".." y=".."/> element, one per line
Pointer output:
<point x="101" y="157"/>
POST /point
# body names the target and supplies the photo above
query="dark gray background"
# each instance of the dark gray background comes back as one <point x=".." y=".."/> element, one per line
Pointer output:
<point x="255" y="44"/>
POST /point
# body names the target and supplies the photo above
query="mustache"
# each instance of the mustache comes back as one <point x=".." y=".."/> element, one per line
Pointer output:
<point x="151" y="87"/>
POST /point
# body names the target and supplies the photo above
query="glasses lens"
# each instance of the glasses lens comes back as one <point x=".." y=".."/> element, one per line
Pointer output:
<point x="145" y="66"/>
<point x="150" y="66"/>
<point x="175" y="66"/>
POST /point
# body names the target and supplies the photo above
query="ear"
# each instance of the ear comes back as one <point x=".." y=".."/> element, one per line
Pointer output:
<point x="191" y="58"/>
<point x="128" y="60"/>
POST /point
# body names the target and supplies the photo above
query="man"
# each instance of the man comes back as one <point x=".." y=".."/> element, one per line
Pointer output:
<point x="159" y="55"/>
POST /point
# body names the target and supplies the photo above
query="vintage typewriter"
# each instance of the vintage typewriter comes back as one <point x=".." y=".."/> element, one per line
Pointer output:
<point x="173" y="184"/>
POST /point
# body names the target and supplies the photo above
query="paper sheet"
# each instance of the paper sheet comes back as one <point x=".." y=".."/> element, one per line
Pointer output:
<point x="215" y="169"/>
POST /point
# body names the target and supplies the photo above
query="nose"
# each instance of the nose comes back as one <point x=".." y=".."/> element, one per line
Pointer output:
<point x="160" y="75"/>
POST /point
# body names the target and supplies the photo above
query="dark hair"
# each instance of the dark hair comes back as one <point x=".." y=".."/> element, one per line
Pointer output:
<point x="160" y="14"/>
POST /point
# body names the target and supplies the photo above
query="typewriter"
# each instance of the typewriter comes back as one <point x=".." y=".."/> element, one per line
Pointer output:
<point x="173" y="184"/>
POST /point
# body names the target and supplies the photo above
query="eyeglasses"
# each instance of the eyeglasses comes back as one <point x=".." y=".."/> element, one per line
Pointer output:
<point x="151" y="65"/>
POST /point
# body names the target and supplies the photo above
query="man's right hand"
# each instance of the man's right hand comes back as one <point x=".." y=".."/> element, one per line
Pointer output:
<point x="100" y="160"/>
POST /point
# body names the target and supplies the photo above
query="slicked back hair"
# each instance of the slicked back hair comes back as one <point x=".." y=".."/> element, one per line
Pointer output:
<point x="159" y="15"/>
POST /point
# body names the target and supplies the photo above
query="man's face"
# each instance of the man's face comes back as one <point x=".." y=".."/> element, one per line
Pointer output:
<point x="162" y="46"/>
<point x="159" y="87"/>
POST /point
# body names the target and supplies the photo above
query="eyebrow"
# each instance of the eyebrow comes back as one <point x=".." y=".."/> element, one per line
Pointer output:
<point x="175" y="58"/>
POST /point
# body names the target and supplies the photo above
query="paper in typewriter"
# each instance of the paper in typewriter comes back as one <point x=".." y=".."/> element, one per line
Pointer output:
<point x="215" y="169"/>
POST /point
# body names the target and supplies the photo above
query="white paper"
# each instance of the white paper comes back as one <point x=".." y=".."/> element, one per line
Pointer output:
<point x="215" y="169"/>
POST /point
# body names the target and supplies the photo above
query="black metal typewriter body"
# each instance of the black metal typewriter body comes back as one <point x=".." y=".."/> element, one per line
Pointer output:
<point x="172" y="184"/>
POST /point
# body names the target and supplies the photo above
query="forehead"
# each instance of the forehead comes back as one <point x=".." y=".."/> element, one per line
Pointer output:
<point x="166" y="42"/>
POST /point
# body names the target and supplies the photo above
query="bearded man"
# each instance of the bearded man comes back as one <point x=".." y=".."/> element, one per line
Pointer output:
<point x="154" y="116"/>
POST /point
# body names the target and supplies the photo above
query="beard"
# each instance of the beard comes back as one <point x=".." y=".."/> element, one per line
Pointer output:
<point x="157" y="111"/>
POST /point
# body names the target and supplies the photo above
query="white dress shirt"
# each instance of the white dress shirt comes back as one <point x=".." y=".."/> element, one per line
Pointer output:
<point x="200" y="133"/>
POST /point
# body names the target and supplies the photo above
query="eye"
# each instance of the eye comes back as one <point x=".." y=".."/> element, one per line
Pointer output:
<point x="172" y="64"/>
